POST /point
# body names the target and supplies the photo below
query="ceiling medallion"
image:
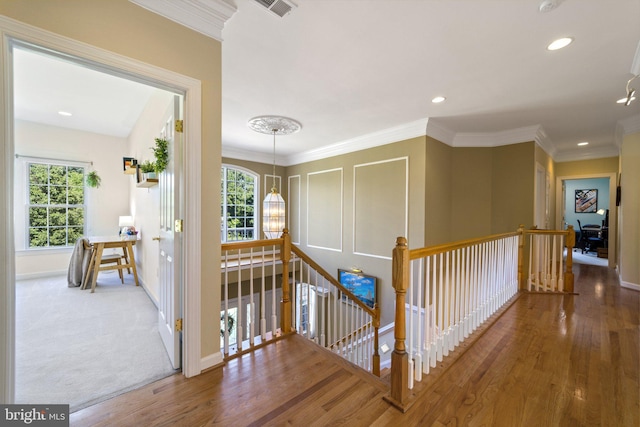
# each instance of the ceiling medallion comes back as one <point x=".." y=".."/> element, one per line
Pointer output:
<point x="271" y="125"/>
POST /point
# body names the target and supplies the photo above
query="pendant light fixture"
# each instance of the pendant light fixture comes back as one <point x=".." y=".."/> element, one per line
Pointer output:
<point x="273" y="207"/>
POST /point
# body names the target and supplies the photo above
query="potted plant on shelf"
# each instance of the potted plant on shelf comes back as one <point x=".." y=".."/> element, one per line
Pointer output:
<point x="93" y="179"/>
<point x="161" y="153"/>
<point x="148" y="169"/>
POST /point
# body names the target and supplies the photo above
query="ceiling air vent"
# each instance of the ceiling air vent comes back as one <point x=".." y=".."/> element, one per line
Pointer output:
<point x="279" y="7"/>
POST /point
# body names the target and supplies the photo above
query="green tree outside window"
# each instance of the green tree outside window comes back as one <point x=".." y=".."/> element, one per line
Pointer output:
<point x="238" y="205"/>
<point x="56" y="202"/>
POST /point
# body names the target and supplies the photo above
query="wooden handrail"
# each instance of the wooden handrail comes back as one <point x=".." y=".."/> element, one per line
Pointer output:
<point x="332" y="280"/>
<point x="248" y="244"/>
<point x="433" y="250"/>
<point x="351" y="334"/>
<point x="401" y="270"/>
<point x="284" y="253"/>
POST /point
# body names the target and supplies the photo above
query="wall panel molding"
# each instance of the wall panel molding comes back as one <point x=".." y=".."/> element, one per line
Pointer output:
<point x="384" y="184"/>
<point x="325" y="191"/>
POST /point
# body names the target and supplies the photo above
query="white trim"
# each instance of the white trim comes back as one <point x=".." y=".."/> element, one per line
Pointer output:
<point x="374" y="139"/>
<point x="268" y="182"/>
<point x="212" y="361"/>
<point x="13" y="30"/>
<point x="41" y="274"/>
<point x="341" y="208"/>
<point x="7" y="250"/>
<point x="496" y="139"/>
<point x="406" y="202"/>
<point x="289" y="179"/>
<point x="629" y="285"/>
<point x="630" y="125"/>
<point x="204" y="16"/>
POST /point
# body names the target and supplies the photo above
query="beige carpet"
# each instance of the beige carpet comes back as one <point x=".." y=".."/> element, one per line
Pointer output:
<point x="79" y="348"/>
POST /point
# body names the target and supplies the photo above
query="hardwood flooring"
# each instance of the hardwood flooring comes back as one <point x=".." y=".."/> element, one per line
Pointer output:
<point x="549" y="360"/>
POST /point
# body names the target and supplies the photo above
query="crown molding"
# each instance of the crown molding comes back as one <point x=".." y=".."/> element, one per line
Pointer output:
<point x="543" y="140"/>
<point x="441" y="133"/>
<point x="431" y="128"/>
<point x="204" y="16"/>
<point x="630" y="125"/>
<point x="587" y="154"/>
<point x="252" y="156"/>
<point x="375" y="139"/>
<point x="496" y="139"/>
<point x="624" y="127"/>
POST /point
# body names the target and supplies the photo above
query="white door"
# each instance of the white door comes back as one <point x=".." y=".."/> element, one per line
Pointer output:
<point x="170" y="297"/>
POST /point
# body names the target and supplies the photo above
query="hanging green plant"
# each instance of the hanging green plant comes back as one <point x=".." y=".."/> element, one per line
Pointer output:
<point x="93" y="179"/>
<point x="161" y="152"/>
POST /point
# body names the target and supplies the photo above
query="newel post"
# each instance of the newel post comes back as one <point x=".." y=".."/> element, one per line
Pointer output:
<point x="521" y="281"/>
<point x="285" y="257"/>
<point x="399" y="357"/>
<point x="376" y="353"/>
<point x="568" y="273"/>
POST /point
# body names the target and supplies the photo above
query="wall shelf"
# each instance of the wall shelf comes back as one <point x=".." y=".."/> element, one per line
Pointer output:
<point x="148" y="183"/>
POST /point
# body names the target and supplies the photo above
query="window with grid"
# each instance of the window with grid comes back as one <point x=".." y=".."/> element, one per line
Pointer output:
<point x="56" y="207"/>
<point x="238" y="206"/>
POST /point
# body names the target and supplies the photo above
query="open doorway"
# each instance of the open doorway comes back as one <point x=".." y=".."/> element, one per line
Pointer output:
<point x="587" y="203"/>
<point x="39" y="260"/>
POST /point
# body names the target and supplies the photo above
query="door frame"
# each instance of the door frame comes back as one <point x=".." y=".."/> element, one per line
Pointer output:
<point x="613" y="209"/>
<point x="13" y="31"/>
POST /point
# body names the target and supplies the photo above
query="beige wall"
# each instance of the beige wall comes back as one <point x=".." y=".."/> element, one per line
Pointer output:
<point x="474" y="192"/>
<point x="588" y="167"/>
<point x="384" y="169"/>
<point x="438" y="193"/>
<point x="126" y="29"/>
<point x="630" y="212"/>
<point x="468" y="192"/>
<point x="471" y="192"/>
<point x="513" y="176"/>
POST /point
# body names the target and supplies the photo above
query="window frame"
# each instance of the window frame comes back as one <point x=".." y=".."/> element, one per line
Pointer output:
<point x="223" y="203"/>
<point x="28" y="205"/>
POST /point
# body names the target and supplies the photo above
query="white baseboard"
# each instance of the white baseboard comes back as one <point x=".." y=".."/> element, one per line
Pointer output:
<point x="41" y="274"/>
<point x="211" y="360"/>
<point x="629" y="285"/>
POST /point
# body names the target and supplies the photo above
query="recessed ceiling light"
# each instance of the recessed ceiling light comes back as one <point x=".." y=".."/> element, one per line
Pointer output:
<point x="560" y="43"/>
<point x="65" y="113"/>
<point x="624" y="100"/>
<point x="438" y="99"/>
<point x="583" y="143"/>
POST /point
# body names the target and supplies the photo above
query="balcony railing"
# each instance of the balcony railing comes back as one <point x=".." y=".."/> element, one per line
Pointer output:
<point x="444" y="293"/>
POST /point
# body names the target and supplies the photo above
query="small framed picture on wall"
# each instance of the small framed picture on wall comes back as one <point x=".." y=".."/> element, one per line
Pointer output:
<point x="587" y="201"/>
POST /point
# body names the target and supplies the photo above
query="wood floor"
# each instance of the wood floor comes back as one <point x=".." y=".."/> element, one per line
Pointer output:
<point x="549" y="360"/>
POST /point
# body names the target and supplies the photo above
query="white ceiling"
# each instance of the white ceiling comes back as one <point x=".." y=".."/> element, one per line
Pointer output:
<point x="358" y="73"/>
<point x="45" y="85"/>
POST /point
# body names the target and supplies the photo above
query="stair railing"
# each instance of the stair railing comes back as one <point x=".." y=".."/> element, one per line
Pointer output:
<point x="329" y="314"/>
<point x="259" y="306"/>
